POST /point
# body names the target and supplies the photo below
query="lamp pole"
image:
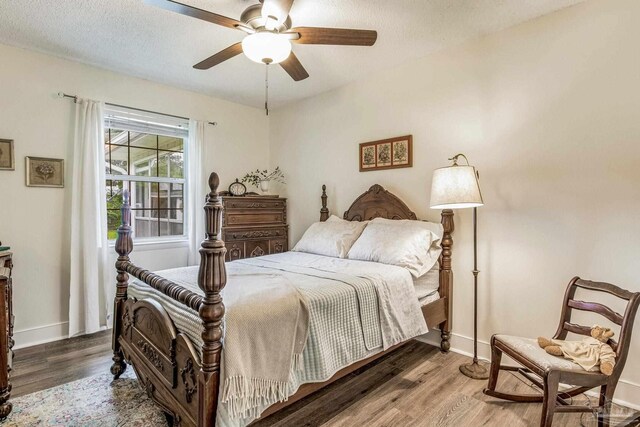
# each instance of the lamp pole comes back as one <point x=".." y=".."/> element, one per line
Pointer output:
<point x="475" y="285"/>
<point x="475" y="370"/>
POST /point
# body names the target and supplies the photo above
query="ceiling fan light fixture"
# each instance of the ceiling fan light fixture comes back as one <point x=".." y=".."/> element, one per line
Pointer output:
<point x="266" y="47"/>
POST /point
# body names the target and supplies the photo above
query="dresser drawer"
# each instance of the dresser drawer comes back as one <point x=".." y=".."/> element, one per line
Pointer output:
<point x="248" y="203"/>
<point x="277" y="246"/>
<point x="258" y="233"/>
<point x="233" y="219"/>
<point x="235" y="251"/>
<point x="257" y="248"/>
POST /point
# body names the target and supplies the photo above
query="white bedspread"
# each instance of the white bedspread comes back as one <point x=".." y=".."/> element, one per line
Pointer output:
<point x="356" y="309"/>
<point x="398" y="317"/>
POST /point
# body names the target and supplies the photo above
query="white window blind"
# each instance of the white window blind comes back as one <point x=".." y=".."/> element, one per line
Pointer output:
<point x="124" y="118"/>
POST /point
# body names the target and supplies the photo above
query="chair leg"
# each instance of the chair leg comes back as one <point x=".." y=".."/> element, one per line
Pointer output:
<point x="551" y="383"/>
<point x="496" y="357"/>
<point x="606" y="399"/>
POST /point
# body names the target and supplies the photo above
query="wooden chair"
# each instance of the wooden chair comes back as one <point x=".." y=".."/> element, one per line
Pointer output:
<point x="553" y="370"/>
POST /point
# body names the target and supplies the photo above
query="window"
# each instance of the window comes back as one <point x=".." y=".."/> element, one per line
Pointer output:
<point x="148" y="159"/>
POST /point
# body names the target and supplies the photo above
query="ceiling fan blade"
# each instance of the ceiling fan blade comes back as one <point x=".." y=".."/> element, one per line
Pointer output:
<point x="294" y="68"/>
<point x="334" y="36"/>
<point x="223" y="55"/>
<point x="194" y="12"/>
<point x="277" y="10"/>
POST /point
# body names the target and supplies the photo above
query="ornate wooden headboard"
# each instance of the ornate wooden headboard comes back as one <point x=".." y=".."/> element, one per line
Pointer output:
<point x="378" y="203"/>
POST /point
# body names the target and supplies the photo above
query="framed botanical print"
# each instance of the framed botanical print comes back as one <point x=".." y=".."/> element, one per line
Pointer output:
<point x="44" y="172"/>
<point x="387" y="154"/>
<point x="7" y="157"/>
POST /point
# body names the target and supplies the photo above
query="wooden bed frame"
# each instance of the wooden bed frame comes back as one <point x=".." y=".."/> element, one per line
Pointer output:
<point x="167" y="364"/>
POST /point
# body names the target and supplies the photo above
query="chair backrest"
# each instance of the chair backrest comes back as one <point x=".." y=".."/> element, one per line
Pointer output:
<point x="621" y="347"/>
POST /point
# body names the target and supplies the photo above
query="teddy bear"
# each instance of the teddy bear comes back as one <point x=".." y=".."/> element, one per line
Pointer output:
<point x="590" y="353"/>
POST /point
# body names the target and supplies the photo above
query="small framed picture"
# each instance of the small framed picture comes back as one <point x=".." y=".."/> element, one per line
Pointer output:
<point x="387" y="153"/>
<point x="401" y="152"/>
<point x="368" y="157"/>
<point x="44" y="172"/>
<point x="7" y="158"/>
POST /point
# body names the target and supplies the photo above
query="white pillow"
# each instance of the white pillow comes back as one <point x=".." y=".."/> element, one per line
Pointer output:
<point x="333" y="237"/>
<point x="334" y="218"/>
<point x="414" y="245"/>
<point x="435" y="227"/>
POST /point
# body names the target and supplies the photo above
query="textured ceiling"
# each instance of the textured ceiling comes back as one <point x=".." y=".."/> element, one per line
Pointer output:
<point x="131" y="37"/>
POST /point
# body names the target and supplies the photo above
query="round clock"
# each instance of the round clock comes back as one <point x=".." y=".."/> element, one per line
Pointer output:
<point x="237" y="188"/>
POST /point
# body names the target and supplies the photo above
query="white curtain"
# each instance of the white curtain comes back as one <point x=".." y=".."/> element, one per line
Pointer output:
<point x="89" y="293"/>
<point x="196" y="190"/>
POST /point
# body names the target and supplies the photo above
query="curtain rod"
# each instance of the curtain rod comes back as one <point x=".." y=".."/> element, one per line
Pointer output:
<point x="75" y="99"/>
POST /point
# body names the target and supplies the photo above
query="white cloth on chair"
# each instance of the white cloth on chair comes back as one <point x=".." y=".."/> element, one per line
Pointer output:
<point x="529" y="348"/>
<point x="588" y="352"/>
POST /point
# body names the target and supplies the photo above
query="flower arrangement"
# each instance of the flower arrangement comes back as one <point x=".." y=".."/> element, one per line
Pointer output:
<point x="254" y="178"/>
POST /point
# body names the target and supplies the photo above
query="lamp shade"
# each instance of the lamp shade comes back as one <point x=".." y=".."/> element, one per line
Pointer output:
<point x="266" y="47"/>
<point x="455" y="187"/>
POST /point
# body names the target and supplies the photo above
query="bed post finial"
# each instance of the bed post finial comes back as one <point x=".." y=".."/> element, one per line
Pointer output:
<point x="214" y="183"/>
<point x="446" y="277"/>
<point x="124" y="242"/>
<point x="212" y="278"/>
<point x="124" y="246"/>
<point x="324" y="211"/>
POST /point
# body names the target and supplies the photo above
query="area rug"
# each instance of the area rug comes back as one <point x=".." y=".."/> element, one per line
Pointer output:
<point x="92" y="401"/>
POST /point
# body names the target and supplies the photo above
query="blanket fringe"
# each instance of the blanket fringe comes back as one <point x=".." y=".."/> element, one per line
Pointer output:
<point x="298" y="362"/>
<point x="246" y="397"/>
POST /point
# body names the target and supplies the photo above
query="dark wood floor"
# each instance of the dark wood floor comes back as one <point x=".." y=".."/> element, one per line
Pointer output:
<point x="413" y="386"/>
<point x="48" y="365"/>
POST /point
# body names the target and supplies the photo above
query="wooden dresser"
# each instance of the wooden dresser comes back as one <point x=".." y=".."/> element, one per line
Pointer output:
<point x="254" y="226"/>
<point x="6" y="331"/>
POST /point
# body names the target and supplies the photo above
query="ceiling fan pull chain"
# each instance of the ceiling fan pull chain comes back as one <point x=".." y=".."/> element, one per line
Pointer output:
<point x="266" y="90"/>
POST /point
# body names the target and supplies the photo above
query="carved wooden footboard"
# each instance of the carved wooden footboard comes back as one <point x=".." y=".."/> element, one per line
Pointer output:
<point x="165" y="361"/>
<point x="182" y="382"/>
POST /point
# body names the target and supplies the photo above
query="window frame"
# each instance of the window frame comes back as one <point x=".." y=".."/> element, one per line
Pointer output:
<point x="132" y="179"/>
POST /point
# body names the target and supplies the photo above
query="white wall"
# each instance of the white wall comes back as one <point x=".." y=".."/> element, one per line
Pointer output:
<point x="549" y="112"/>
<point x="34" y="221"/>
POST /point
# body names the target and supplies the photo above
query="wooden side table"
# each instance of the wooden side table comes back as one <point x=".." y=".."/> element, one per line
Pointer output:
<point x="6" y="332"/>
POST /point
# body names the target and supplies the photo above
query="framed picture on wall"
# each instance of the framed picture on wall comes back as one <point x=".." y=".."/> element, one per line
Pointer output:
<point x="44" y="172"/>
<point x="387" y="154"/>
<point x="7" y="157"/>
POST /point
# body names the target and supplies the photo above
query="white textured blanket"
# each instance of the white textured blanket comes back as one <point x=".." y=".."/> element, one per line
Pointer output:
<point x="383" y="303"/>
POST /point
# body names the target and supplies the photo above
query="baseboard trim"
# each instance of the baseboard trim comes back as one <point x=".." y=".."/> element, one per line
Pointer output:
<point x="40" y="335"/>
<point x="627" y="392"/>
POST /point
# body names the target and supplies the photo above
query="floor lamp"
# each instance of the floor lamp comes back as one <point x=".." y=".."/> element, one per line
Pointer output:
<point x="456" y="187"/>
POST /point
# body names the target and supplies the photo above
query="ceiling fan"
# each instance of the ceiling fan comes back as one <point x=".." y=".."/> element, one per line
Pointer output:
<point x="269" y="34"/>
